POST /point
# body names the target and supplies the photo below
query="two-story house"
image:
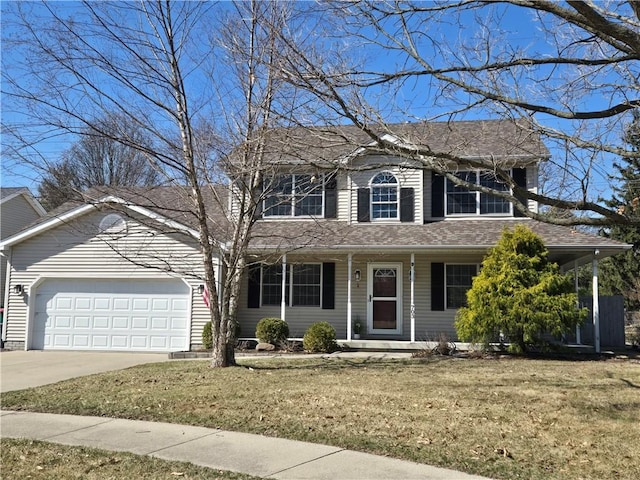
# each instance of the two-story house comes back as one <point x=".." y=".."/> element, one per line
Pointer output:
<point x="344" y="234"/>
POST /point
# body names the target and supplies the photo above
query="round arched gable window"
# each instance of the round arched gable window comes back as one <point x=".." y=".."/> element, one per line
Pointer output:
<point x="113" y="223"/>
<point x="384" y="196"/>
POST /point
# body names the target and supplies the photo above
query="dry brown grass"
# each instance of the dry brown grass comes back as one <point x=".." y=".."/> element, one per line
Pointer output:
<point x="22" y="459"/>
<point x="506" y="418"/>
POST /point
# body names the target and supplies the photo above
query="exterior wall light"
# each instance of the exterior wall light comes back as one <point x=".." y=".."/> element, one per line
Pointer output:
<point x="18" y="289"/>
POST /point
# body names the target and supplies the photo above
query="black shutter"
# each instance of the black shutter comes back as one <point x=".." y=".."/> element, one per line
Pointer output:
<point x="406" y="204"/>
<point x="330" y="197"/>
<point x="437" y="286"/>
<point x="253" y="292"/>
<point x="328" y="286"/>
<point x="363" y="205"/>
<point x="437" y="195"/>
<point x="520" y="177"/>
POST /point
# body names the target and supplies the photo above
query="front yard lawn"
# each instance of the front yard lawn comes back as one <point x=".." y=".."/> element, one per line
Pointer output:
<point x="43" y="460"/>
<point x="504" y="418"/>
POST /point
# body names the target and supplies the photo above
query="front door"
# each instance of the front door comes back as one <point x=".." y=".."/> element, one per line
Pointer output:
<point x="384" y="290"/>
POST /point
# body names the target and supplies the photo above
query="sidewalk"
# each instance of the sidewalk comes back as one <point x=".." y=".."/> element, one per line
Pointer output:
<point x="239" y="452"/>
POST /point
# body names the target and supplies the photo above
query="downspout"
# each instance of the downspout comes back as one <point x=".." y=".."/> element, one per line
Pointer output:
<point x="283" y="303"/>
<point x="350" y="190"/>
<point x="575" y="278"/>
<point x="412" y="275"/>
<point x="3" y="333"/>
<point x="349" y="276"/>
<point x="596" y="304"/>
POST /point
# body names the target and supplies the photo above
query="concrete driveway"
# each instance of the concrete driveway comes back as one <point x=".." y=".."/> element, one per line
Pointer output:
<point x="25" y="369"/>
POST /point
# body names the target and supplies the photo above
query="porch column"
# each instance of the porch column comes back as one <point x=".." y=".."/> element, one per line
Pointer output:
<point x="283" y="302"/>
<point x="596" y="305"/>
<point x="349" y="276"/>
<point x="575" y="278"/>
<point x="412" y="275"/>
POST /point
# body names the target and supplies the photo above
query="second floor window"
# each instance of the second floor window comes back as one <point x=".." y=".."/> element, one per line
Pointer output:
<point x="459" y="200"/>
<point x="295" y="195"/>
<point x="384" y="196"/>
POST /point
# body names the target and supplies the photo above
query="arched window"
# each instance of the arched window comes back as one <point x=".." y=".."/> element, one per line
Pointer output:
<point x="384" y="196"/>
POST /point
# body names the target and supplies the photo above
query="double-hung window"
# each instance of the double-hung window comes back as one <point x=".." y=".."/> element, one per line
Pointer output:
<point x="294" y="196"/>
<point x="303" y="287"/>
<point x="384" y="196"/>
<point x="461" y="201"/>
<point x="458" y="280"/>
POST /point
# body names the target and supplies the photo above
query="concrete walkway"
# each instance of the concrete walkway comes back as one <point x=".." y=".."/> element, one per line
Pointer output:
<point x="238" y="452"/>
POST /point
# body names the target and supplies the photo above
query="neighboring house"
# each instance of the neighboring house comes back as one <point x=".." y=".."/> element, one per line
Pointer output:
<point x="18" y="208"/>
<point x="345" y="234"/>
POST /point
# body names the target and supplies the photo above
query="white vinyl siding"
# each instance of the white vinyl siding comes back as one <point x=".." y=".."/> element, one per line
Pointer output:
<point x="15" y="214"/>
<point x="407" y="178"/>
<point x="429" y="324"/>
<point x="75" y="250"/>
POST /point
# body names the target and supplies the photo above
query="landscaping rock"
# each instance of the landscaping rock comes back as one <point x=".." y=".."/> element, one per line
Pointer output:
<point x="265" y="347"/>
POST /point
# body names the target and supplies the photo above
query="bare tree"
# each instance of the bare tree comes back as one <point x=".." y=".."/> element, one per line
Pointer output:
<point x="97" y="159"/>
<point x="198" y="82"/>
<point x="570" y="69"/>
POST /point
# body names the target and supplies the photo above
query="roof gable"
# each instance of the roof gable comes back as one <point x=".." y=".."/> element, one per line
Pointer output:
<point x="9" y="193"/>
<point x="96" y="198"/>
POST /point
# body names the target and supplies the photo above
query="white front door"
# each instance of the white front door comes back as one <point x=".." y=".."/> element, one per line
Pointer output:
<point x="384" y="291"/>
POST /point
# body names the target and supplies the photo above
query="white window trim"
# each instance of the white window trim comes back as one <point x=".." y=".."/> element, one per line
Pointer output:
<point x="397" y="202"/>
<point x="289" y="279"/>
<point x="292" y="196"/>
<point x="477" y="195"/>
<point x="446" y="285"/>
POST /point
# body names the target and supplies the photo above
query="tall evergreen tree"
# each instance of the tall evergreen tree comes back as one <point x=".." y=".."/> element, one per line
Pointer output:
<point x="519" y="293"/>
<point x="620" y="275"/>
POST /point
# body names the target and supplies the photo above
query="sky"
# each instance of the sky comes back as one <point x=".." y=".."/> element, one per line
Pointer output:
<point x="411" y="99"/>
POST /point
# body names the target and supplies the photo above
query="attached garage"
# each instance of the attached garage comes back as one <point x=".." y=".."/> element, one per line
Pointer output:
<point x="111" y="314"/>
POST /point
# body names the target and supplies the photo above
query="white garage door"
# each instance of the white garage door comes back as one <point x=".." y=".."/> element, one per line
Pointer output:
<point x="127" y="315"/>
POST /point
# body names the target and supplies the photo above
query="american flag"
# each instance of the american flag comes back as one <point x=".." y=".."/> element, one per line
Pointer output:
<point x="205" y="296"/>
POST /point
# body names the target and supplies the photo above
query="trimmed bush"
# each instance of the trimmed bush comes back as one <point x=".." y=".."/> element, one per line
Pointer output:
<point x="207" y="336"/>
<point x="320" y="338"/>
<point x="272" y="330"/>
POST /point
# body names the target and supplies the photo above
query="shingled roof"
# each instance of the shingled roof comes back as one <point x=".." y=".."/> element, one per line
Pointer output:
<point x="457" y="234"/>
<point x="507" y="141"/>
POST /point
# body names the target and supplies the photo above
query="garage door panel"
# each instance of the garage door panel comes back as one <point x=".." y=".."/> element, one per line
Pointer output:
<point x="140" y="342"/>
<point x="100" y="322"/>
<point x="83" y="303"/>
<point x="102" y="304"/>
<point x="141" y="305"/>
<point x="136" y="315"/>
<point x="100" y="341"/>
<point x="82" y="322"/>
<point x="121" y="323"/>
<point x="80" y="341"/>
<point x="63" y="303"/>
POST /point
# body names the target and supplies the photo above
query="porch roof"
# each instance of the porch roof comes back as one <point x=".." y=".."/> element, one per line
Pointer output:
<point x="565" y="244"/>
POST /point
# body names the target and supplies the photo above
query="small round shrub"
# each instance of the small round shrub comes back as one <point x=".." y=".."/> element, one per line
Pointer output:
<point x="320" y="337"/>
<point x="207" y="336"/>
<point x="272" y="330"/>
